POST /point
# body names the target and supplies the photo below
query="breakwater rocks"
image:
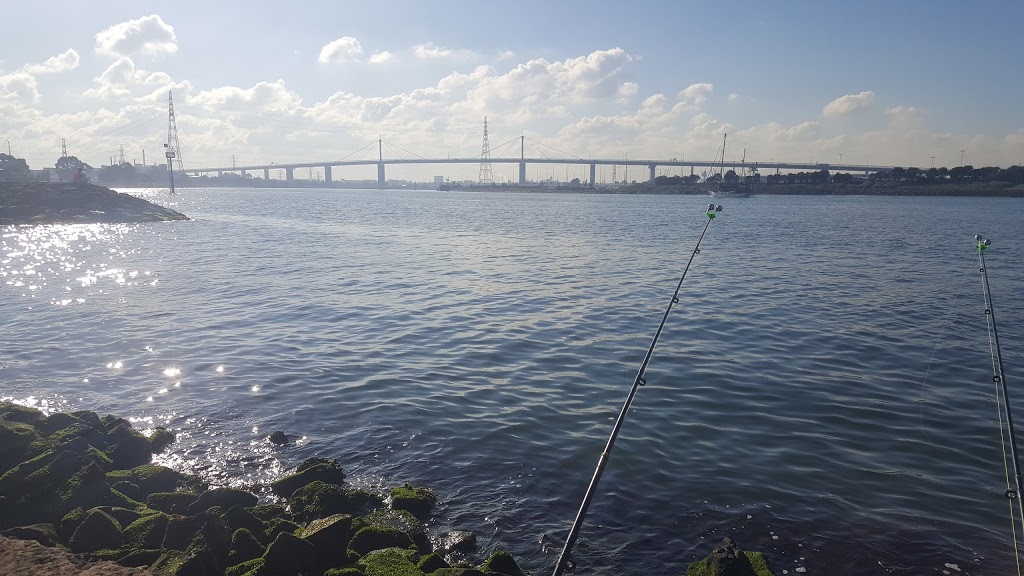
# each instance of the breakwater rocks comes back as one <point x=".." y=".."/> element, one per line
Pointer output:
<point x="84" y="482"/>
<point x="62" y="203"/>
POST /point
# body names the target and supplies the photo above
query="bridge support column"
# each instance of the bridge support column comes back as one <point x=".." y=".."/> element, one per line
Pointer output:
<point x="242" y="173"/>
<point x="220" y="173"/>
<point x="593" y="174"/>
<point x="380" y="175"/>
<point x="522" y="172"/>
<point x="266" y="173"/>
<point x="327" y="174"/>
<point x="289" y="174"/>
<point x="651" y="167"/>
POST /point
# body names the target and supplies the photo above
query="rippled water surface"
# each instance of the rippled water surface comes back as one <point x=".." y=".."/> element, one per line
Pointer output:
<point x="822" y="391"/>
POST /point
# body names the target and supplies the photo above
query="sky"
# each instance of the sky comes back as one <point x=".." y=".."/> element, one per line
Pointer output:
<point x="906" y="83"/>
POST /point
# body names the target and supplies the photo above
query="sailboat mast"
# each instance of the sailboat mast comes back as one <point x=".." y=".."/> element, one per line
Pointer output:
<point x="722" y="171"/>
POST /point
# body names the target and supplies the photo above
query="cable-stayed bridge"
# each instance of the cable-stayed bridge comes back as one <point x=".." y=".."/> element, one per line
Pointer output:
<point x="522" y="160"/>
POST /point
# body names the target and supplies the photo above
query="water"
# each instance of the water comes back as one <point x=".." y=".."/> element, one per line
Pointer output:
<point x="822" y="392"/>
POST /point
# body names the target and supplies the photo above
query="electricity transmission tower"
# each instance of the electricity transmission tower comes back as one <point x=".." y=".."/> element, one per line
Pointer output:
<point x="486" y="177"/>
<point x="173" y="147"/>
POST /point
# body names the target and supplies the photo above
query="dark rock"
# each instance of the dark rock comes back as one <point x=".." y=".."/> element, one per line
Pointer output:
<point x="69" y="523"/>
<point x="139" y="558"/>
<point x="432" y="562"/>
<point x="375" y="538"/>
<point x="149" y="478"/>
<point x="89" y="418"/>
<point x="147" y="532"/>
<point x="244" y="547"/>
<point x="415" y="499"/>
<point x="313" y="469"/>
<point x="391" y="561"/>
<point x="455" y="541"/>
<point x="320" y="500"/>
<point x="329" y="537"/>
<point x="727" y="560"/>
<point x="45" y="534"/>
<point x="268" y="512"/>
<point x="346" y="571"/>
<point x="502" y="563"/>
<point x="124" y="516"/>
<point x="77" y="203"/>
<point x="238" y="518"/>
<point x="56" y="485"/>
<point x="400" y="520"/>
<point x="15" y="439"/>
<point x="128" y="447"/>
<point x="224" y="497"/>
<point x="160" y="439"/>
<point x="119" y="500"/>
<point x="171" y="502"/>
<point x="282" y="526"/>
<point x="255" y="567"/>
<point x="178" y="563"/>
<point x="110" y="422"/>
<point x="129" y="489"/>
<point x="182" y="530"/>
<point x="11" y="412"/>
<point x="99" y="530"/>
<point x="288" y="555"/>
<point x="279" y="438"/>
<point x="212" y="544"/>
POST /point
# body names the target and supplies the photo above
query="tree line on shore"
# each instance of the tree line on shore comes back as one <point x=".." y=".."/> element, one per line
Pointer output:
<point x="1013" y="175"/>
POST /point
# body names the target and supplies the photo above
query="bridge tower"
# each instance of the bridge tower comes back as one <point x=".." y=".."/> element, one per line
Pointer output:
<point x="486" y="176"/>
<point x="173" y="147"/>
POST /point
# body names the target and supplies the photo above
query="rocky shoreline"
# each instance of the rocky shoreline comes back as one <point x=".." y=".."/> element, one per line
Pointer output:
<point x="63" y="203"/>
<point x="84" y="483"/>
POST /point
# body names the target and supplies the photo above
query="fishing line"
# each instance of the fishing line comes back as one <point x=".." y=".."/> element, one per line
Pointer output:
<point x="564" y="560"/>
<point x="1013" y="492"/>
<point x="938" y="341"/>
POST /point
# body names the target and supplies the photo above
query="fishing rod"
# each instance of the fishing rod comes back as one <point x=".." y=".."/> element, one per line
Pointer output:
<point x="564" y="560"/>
<point x="1000" y="379"/>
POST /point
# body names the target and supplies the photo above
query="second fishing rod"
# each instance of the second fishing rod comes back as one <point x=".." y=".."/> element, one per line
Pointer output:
<point x="564" y="560"/>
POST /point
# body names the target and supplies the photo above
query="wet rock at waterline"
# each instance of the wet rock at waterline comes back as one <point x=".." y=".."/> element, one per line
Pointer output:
<point x="63" y="203"/>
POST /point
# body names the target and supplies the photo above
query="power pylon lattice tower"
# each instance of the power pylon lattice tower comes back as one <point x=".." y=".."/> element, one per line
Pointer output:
<point x="172" y="136"/>
<point x="486" y="176"/>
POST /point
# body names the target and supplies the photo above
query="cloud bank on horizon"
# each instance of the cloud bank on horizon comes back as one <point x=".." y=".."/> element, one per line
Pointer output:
<point x="592" y="104"/>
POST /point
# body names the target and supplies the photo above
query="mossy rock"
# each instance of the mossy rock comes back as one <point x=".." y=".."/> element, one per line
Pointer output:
<point x="346" y="571"/>
<point x="15" y="439"/>
<point x="501" y="562"/>
<point x="52" y="490"/>
<point x="244" y="547"/>
<point x="329" y="537"/>
<point x="289" y="555"/>
<point x="119" y="500"/>
<point x="319" y="500"/>
<point x="60" y="421"/>
<point x="110" y="422"/>
<point x="160" y="439"/>
<point x="269" y="512"/>
<point x="124" y="516"/>
<point x="390" y="562"/>
<point x="282" y="526"/>
<point x="69" y="523"/>
<point x="224" y="497"/>
<point x="178" y="563"/>
<point x="129" y="489"/>
<point x="399" y="520"/>
<point x="376" y="538"/>
<point x="44" y="534"/>
<point x="139" y="558"/>
<point x="211" y="544"/>
<point x="11" y="412"/>
<point x="256" y="567"/>
<point x="311" y="470"/>
<point x="757" y="565"/>
<point x="147" y="532"/>
<point x="415" y="499"/>
<point x="171" y="502"/>
<point x="238" y="517"/>
<point x="128" y="447"/>
<point x="149" y="478"/>
<point x="89" y="418"/>
<point x="97" y="531"/>
<point x="457" y="571"/>
<point x="432" y="562"/>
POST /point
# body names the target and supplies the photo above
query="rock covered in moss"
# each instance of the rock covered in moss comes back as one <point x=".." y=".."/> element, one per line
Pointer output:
<point x="171" y="502"/>
<point x="377" y="538"/>
<point x="149" y="478"/>
<point x="346" y="571"/>
<point x="15" y="439"/>
<point x="455" y="541"/>
<point x="311" y="470"/>
<point x="289" y="555"/>
<point x="432" y="562"/>
<point x="238" y="517"/>
<point x="129" y="448"/>
<point x="390" y="562"/>
<point x="97" y="531"/>
<point x="319" y="499"/>
<point x="244" y="547"/>
<point x="329" y="537"/>
<point x="727" y="559"/>
<point x="45" y="534"/>
<point x="67" y="203"/>
<point x="501" y="562"/>
<point x="415" y="499"/>
<point x="224" y="497"/>
<point x="147" y="532"/>
<point x="160" y="439"/>
<point x="401" y="520"/>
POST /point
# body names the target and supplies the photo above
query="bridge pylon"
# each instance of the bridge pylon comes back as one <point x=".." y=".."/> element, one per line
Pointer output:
<point x="486" y="175"/>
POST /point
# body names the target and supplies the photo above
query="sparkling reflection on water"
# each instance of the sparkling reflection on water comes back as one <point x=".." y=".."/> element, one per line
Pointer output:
<point x="822" y="391"/>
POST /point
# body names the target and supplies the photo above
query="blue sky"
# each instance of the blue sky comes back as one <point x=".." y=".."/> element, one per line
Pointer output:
<point x="879" y="82"/>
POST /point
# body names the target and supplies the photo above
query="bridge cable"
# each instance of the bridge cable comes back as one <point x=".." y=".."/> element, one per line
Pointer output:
<point x="564" y="560"/>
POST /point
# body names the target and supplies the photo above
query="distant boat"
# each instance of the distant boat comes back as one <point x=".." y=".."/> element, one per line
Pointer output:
<point x="723" y="189"/>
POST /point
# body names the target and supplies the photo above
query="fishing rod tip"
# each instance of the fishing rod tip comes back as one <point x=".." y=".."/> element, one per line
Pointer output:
<point x="982" y="239"/>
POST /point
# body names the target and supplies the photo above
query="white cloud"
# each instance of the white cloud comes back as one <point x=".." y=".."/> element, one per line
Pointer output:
<point x="18" y="90"/>
<point x="263" y="97"/>
<point x="68" y="60"/>
<point x="506" y="55"/>
<point x="627" y="90"/>
<point x="430" y="51"/>
<point x="849" y="104"/>
<point x="122" y="80"/>
<point x="905" y="115"/>
<point x="697" y="93"/>
<point x="146" y="36"/>
<point x="344" y="49"/>
<point x="382" y="57"/>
